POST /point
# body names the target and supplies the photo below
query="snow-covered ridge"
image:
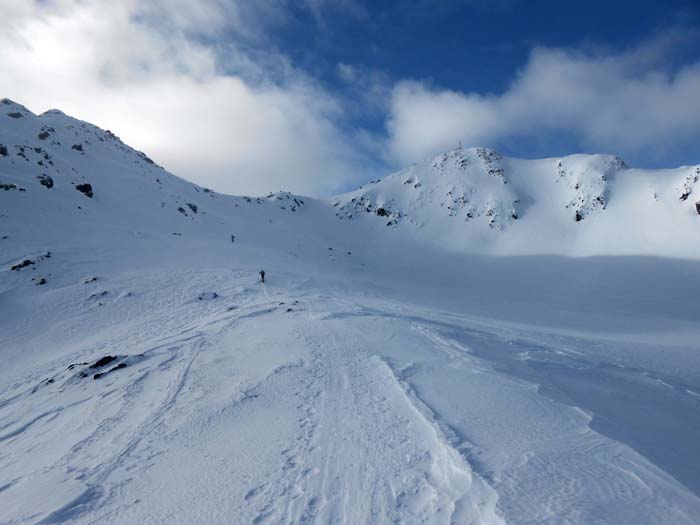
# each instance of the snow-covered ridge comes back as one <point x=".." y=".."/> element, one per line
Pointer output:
<point x="466" y="200"/>
<point x="477" y="200"/>
<point x="54" y="166"/>
<point x="463" y="184"/>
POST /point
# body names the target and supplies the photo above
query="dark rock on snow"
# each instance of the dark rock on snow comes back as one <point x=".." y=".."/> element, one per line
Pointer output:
<point x="21" y="265"/>
<point x="102" y="361"/>
<point x="85" y="189"/>
<point x="45" y="181"/>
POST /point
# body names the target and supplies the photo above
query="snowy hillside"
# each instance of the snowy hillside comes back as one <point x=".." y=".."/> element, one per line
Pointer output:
<point x="475" y="200"/>
<point x="466" y="185"/>
<point x="424" y="350"/>
<point x="56" y="168"/>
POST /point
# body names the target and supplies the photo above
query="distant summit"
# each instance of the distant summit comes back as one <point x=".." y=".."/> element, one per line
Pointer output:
<point x="475" y="199"/>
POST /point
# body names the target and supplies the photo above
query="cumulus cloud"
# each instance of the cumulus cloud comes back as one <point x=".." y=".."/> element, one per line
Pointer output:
<point x="218" y="112"/>
<point x="632" y="103"/>
<point x="204" y="89"/>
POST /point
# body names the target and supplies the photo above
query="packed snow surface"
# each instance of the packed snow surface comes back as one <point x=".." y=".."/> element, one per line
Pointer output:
<point x="506" y="341"/>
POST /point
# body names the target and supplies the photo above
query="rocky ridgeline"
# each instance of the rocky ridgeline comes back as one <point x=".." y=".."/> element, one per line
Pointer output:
<point x="31" y="143"/>
<point x="57" y="153"/>
<point x="464" y="184"/>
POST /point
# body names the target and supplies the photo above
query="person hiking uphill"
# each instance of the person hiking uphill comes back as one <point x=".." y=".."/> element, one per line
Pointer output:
<point x="262" y="276"/>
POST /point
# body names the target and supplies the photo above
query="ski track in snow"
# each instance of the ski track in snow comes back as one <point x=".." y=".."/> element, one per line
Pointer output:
<point x="329" y="418"/>
<point x="394" y="466"/>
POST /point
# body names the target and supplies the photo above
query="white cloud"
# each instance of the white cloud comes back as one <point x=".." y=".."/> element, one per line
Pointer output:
<point x="209" y="112"/>
<point x="630" y="103"/>
<point x="201" y="87"/>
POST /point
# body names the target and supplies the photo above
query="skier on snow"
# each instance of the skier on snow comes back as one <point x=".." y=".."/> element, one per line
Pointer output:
<point x="262" y="276"/>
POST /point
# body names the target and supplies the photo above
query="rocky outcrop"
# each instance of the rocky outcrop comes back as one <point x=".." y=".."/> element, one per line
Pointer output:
<point x="587" y="178"/>
<point x="85" y="189"/>
<point x="688" y="184"/>
<point x="45" y="181"/>
<point x="464" y="185"/>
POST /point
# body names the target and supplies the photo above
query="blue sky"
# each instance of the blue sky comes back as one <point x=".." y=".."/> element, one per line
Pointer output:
<point x="471" y="45"/>
<point x="317" y="96"/>
<point x="479" y="46"/>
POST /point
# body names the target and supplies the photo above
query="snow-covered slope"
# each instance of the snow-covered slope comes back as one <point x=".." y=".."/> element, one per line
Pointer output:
<point x="468" y="186"/>
<point x="422" y="372"/>
<point x="59" y="171"/>
<point x="475" y="200"/>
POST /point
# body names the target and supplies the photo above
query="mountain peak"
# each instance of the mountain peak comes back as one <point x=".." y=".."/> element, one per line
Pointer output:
<point x="466" y="185"/>
<point x="51" y="112"/>
<point x="477" y="199"/>
<point x="13" y="109"/>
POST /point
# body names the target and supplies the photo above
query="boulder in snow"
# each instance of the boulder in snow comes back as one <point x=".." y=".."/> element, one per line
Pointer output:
<point x="85" y="189"/>
<point x="45" y="181"/>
